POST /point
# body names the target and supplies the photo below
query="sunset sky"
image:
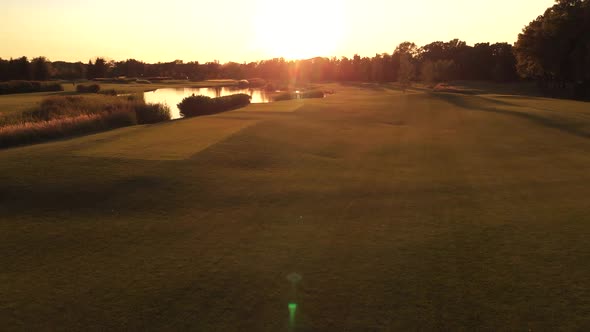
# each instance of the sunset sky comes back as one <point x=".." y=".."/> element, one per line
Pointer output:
<point x="237" y="30"/>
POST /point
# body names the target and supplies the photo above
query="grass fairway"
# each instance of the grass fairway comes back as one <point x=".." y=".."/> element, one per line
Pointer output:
<point x="400" y="212"/>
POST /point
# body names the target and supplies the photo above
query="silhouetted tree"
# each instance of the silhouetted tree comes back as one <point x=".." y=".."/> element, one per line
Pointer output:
<point x="41" y="69"/>
<point x="555" y="47"/>
<point x="20" y="69"/>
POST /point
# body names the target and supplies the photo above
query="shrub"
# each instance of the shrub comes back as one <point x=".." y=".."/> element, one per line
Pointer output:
<point x="152" y="113"/>
<point x="203" y="105"/>
<point x="227" y="103"/>
<point x="88" y="88"/>
<point x="11" y="87"/>
<point x="195" y="105"/>
<point x="312" y="94"/>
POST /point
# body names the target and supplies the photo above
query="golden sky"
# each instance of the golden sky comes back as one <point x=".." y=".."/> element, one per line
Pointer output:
<point x="242" y="30"/>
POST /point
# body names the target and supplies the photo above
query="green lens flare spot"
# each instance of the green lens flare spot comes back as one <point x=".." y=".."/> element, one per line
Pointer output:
<point x="292" y="309"/>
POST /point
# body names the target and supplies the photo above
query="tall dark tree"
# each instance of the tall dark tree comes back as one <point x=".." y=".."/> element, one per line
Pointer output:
<point x="555" y="47"/>
<point x="41" y="69"/>
<point x="100" y="68"/>
<point x="21" y="69"/>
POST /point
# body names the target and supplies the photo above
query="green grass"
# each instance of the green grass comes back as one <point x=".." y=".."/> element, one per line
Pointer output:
<point x="400" y="211"/>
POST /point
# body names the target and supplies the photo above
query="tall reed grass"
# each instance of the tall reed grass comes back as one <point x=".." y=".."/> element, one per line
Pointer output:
<point x="62" y="116"/>
<point x="32" y="132"/>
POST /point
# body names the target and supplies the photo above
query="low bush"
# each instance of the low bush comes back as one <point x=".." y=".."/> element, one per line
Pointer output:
<point x="312" y="94"/>
<point x="88" y="88"/>
<point x="11" y="87"/>
<point x="203" y="105"/>
<point x="152" y="113"/>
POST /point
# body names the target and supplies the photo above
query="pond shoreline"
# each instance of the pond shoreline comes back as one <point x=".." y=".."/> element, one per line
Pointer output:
<point x="172" y="96"/>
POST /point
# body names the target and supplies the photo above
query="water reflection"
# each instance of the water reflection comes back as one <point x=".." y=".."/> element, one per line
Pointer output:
<point x="173" y="96"/>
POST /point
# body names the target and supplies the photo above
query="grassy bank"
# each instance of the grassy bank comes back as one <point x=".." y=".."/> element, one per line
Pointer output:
<point x="63" y="116"/>
<point x="399" y="211"/>
<point x="25" y="101"/>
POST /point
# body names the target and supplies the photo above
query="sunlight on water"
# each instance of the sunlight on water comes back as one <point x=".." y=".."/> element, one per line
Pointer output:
<point x="173" y="96"/>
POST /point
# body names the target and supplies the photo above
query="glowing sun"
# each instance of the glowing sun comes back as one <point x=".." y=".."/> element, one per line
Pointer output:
<point x="298" y="29"/>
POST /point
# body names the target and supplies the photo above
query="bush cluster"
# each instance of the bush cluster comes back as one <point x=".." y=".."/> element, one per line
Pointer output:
<point x="152" y="113"/>
<point x="203" y="105"/>
<point x="312" y="94"/>
<point x="88" y="88"/>
<point x="11" y="87"/>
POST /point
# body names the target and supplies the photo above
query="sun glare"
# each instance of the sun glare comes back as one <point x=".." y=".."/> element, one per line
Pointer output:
<point x="298" y="29"/>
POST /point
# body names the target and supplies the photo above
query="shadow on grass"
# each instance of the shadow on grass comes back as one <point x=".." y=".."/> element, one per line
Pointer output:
<point x="364" y="85"/>
<point x="580" y="129"/>
<point x="529" y="89"/>
<point x="94" y="197"/>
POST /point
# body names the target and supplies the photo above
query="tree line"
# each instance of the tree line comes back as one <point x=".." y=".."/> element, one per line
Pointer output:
<point x="451" y="60"/>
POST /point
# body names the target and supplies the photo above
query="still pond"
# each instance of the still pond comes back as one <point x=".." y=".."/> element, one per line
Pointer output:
<point x="173" y="96"/>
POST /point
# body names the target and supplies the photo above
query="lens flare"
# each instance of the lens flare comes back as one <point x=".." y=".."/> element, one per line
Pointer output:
<point x="299" y="29"/>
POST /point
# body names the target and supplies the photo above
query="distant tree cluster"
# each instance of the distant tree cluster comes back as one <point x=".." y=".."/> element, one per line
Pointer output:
<point x="38" y="69"/>
<point x="446" y="61"/>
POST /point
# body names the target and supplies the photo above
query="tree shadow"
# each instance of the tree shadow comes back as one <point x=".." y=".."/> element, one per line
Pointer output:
<point x="529" y="89"/>
<point x="580" y="129"/>
<point x="364" y="85"/>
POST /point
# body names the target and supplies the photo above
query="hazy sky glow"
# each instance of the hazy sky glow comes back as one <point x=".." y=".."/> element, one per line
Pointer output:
<point x="238" y="30"/>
